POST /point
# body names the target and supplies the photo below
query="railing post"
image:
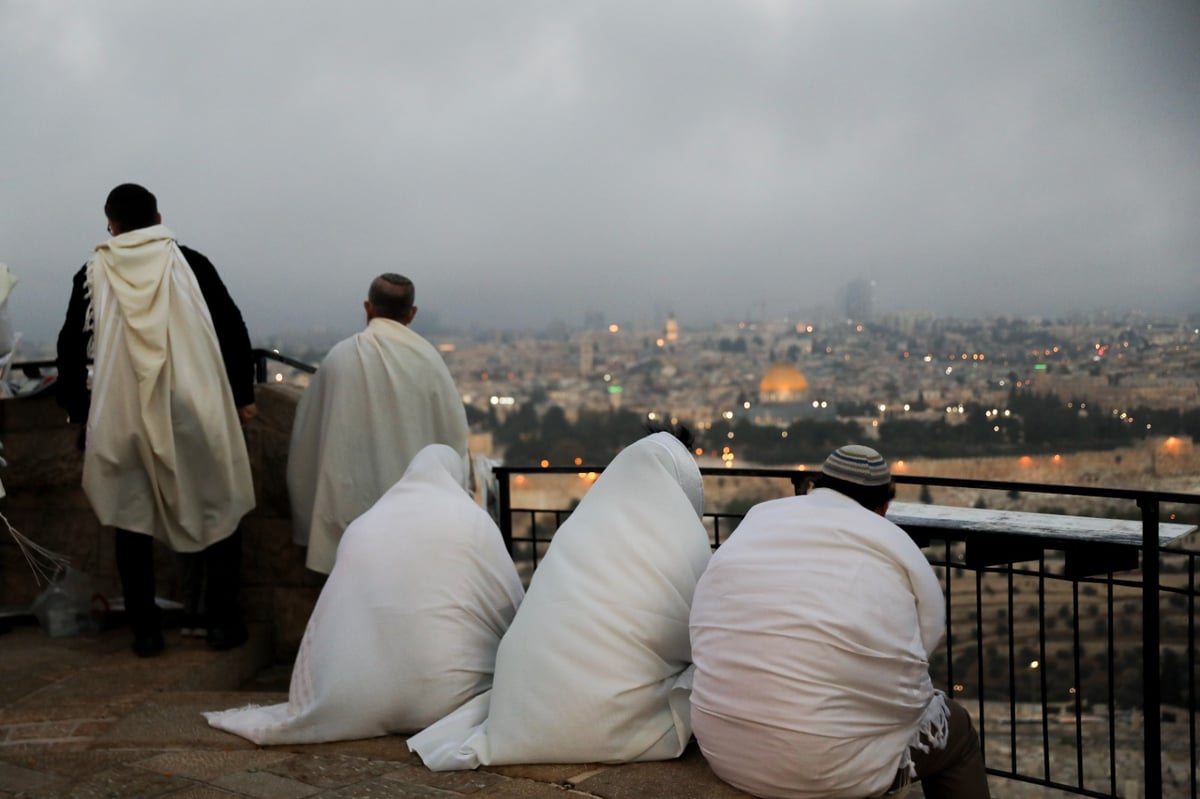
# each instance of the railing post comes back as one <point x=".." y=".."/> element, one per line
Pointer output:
<point x="260" y="367"/>
<point x="504" y="507"/>
<point x="1151" y="696"/>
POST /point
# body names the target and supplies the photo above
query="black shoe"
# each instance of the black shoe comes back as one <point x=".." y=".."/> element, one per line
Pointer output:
<point x="227" y="636"/>
<point x="147" y="646"/>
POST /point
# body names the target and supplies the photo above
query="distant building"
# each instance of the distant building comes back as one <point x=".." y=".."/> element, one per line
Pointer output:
<point x="587" y="354"/>
<point x="783" y="398"/>
<point x="859" y="296"/>
<point x="672" y="329"/>
<point x="782" y="383"/>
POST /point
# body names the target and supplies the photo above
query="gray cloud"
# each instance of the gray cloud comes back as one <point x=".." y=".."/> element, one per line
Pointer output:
<point x="528" y="161"/>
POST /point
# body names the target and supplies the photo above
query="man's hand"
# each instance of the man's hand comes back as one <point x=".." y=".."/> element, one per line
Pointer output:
<point x="247" y="412"/>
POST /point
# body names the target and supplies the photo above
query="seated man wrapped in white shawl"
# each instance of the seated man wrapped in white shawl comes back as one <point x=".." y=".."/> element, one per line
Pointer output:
<point x="811" y="631"/>
<point x="596" y="666"/>
<point x="407" y="626"/>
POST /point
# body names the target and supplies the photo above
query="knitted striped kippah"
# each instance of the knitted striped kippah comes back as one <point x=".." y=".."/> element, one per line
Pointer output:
<point x="857" y="464"/>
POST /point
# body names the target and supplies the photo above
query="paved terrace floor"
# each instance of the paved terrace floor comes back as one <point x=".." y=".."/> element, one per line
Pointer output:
<point x="83" y="717"/>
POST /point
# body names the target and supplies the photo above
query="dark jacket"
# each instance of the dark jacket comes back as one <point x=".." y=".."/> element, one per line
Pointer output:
<point x="71" y="386"/>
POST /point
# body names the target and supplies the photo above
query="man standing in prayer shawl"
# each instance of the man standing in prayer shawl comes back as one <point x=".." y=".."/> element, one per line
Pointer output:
<point x="811" y="632"/>
<point x="165" y="457"/>
<point x="379" y="398"/>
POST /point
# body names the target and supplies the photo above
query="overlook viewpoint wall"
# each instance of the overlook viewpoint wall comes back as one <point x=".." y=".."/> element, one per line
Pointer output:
<point x="46" y="503"/>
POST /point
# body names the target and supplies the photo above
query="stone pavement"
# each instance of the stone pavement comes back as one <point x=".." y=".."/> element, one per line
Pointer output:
<point x="82" y="717"/>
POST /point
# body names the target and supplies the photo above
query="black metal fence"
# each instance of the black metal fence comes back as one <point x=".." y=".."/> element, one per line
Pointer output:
<point x="1077" y="658"/>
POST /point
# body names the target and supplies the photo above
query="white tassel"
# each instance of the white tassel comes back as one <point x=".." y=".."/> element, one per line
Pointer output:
<point x="930" y="734"/>
<point x="46" y="564"/>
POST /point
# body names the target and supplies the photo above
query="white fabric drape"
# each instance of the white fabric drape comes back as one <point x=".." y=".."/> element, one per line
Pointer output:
<point x="595" y="667"/>
<point x="7" y="339"/>
<point x="165" y="451"/>
<point x="378" y="398"/>
<point x="811" y="632"/>
<point x="407" y="626"/>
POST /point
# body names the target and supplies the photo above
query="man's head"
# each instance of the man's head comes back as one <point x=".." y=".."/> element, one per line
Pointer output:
<point x="860" y="473"/>
<point x="129" y="207"/>
<point x="391" y="297"/>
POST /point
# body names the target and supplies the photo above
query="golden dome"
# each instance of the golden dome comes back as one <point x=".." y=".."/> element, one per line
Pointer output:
<point x="783" y="378"/>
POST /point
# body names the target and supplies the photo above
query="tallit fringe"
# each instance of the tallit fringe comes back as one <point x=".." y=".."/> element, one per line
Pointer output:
<point x="46" y="564"/>
<point x="89" y="316"/>
<point x="931" y="732"/>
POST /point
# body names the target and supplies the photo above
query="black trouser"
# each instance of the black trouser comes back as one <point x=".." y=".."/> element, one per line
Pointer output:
<point x="223" y="577"/>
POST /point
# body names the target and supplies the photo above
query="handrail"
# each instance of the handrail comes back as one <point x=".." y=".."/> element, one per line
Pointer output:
<point x="1149" y="503"/>
<point x="261" y="356"/>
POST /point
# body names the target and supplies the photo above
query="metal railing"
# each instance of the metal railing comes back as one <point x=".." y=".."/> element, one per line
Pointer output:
<point x="262" y="359"/>
<point x="1066" y="689"/>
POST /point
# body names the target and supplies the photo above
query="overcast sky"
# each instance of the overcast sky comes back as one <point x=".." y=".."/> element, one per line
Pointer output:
<point x="530" y="161"/>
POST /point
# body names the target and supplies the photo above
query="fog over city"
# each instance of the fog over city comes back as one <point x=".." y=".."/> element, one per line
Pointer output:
<point x="526" y="162"/>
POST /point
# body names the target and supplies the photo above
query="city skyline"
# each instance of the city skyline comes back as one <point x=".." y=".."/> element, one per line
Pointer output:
<point x="528" y="162"/>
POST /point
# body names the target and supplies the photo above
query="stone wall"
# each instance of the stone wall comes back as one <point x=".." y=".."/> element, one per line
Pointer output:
<point x="46" y="503"/>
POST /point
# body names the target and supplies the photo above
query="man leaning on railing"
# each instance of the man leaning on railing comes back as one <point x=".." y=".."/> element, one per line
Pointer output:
<point x="811" y="632"/>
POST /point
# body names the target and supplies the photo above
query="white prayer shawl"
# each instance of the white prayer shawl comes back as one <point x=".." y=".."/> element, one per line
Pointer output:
<point x="811" y="631"/>
<point x="596" y="664"/>
<point x="7" y="339"/>
<point x="165" y="451"/>
<point x="379" y="397"/>
<point x="407" y="626"/>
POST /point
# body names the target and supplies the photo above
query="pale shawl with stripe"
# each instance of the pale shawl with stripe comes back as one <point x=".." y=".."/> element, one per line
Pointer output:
<point x="165" y="451"/>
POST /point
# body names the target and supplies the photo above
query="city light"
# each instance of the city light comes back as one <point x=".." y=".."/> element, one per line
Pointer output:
<point x="545" y="463"/>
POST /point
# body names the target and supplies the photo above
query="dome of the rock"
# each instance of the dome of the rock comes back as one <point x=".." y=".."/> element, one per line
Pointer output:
<point x="783" y="378"/>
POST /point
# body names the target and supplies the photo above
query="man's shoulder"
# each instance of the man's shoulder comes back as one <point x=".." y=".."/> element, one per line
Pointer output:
<point x="194" y="256"/>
